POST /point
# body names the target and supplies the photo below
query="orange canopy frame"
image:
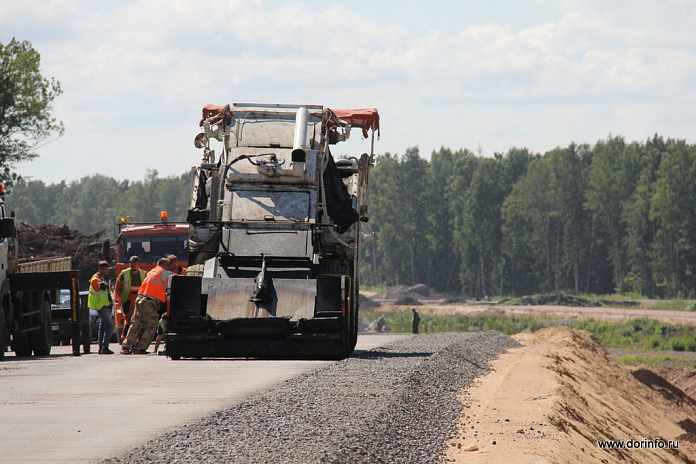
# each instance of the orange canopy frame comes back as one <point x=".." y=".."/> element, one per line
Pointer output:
<point x="365" y="118"/>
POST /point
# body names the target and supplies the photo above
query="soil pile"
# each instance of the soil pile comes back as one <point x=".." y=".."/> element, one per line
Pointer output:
<point x="554" y="398"/>
<point x="557" y="299"/>
<point x="367" y="302"/>
<point x="54" y="241"/>
<point x="683" y="379"/>
<point x="407" y="295"/>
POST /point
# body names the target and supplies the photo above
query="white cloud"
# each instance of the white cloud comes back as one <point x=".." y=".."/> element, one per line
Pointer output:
<point x="135" y="74"/>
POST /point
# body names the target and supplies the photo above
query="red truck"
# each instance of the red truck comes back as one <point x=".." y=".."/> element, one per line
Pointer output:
<point x="148" y="241"/>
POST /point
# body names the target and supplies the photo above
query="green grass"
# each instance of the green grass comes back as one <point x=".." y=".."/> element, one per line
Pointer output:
<point x="655" y="361"/>
<point x="673" y="305"/>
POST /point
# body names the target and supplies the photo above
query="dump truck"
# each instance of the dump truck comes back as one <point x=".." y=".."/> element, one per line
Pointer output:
<point x="28" y="289"/>
<point x="277" y="226"/>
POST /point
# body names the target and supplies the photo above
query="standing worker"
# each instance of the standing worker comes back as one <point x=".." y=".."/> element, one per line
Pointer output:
<point x="152" y="294"/>
<point x="416" y="320"/>
<point x="100" y="301"/>
<point x="127" y="285"/>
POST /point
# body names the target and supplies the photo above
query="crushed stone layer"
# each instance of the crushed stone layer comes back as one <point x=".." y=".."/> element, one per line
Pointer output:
<point x="397" y="403"/>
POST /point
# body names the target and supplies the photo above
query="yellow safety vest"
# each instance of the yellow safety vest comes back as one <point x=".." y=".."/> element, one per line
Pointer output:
<point x="97" y="299"/>
<point x="126" y="273"/>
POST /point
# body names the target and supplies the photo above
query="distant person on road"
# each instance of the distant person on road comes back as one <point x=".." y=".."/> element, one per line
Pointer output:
<point x="127" y="285"/>
<point x="174" y="265"/>
<point x="99" y="300"/>
<point x="152" y="294"/>
<point x="416" y="320"/>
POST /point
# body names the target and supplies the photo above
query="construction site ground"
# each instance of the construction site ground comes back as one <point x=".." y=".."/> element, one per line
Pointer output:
<point x="555" y="397"/>
<point x="549" y="401"/>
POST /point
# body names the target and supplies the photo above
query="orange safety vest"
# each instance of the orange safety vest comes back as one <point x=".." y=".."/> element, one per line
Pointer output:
<point x="153" y="285"/>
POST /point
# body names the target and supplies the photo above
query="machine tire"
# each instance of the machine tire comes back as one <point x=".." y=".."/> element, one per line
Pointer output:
<point x="2" y="333"/>
<point x="21" y="345"/>
<point x="21" y="342"/>
<point x="195" y="270"/>
<point x="86" y="335"/>
<point x="350" y="335"/>
<point x="42" y="339"/>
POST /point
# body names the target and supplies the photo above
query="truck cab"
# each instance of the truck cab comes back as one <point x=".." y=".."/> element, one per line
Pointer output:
<point x="149" y="242"/>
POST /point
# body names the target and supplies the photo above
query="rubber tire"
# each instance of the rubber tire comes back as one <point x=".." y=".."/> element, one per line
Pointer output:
<point x="42" y="339"/>
<point x="21" y="345"/>
<point x="195" y="270"/>
<point x="86" y="335"/>
<point x="349" y="335"/>
<point x="2" y="333"/>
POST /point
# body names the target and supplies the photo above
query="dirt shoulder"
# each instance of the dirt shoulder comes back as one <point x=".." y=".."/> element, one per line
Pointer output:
<point x="600" y="313"/>
<point x="552" y="399"/>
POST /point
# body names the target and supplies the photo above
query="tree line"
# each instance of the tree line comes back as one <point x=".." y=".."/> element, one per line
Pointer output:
<point x="613" y="217"/>
<point x="96" y="203"/>
<point x="598" y="219"/>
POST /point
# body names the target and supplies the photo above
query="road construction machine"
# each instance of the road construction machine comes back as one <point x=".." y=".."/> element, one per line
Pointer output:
<point x="277" y="230"/>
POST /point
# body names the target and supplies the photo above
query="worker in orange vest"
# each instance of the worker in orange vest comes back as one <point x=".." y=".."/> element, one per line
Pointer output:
<point x="151" y="295"/>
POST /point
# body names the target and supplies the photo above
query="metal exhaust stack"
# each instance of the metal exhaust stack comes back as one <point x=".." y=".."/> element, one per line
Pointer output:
<point x="299" y="153"/>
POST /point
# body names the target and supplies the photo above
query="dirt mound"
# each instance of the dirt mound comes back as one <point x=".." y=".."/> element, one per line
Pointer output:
<point x="681" y="378"/>
<point x="418" y="292"/>
<point x="54" y="241"/>
<point x="368" y="303"/>
<point x="407" y="301"/>
<point x="454" y="300"/>
<point x="556" y="299"/>
<point x="554" y="398"/>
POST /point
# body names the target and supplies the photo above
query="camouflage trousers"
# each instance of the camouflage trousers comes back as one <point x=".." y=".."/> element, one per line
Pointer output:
<point x="145" y="319"/>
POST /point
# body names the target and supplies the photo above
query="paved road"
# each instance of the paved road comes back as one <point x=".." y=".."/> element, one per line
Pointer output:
<point x="67" y="409"/>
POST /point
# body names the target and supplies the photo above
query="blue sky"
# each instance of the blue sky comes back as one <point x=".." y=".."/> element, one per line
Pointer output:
<point x="481" y="75"/>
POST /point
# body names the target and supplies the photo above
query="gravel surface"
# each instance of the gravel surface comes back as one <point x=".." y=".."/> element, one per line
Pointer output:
<point x="393" y="404"/>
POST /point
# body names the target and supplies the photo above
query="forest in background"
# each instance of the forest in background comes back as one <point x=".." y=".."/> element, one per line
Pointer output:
<point x="95" y="203"/>
<point x="595" y="219"/>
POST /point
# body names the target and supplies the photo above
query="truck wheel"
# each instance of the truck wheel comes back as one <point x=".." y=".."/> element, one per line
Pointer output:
<point x="195" y="270"/>
<point x="42" y="339"/>
<point x="86" y="334"/>
<point x="2" y="333"/>
<point x="21" y="346"/>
